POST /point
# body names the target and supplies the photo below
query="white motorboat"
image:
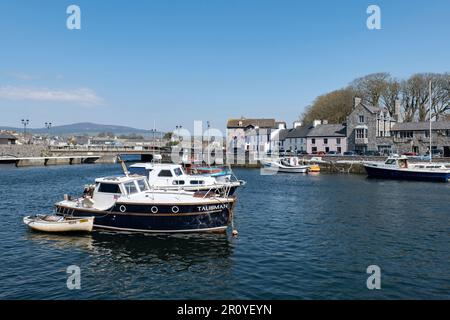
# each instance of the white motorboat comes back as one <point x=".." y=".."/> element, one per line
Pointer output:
<point x="51" y="223"/>
<point x="173" y="177"/>
<point x="287" y="164"/>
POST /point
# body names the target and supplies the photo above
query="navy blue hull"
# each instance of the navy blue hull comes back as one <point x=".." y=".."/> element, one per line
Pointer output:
<point x="163" y="221"/>
<point x="407" y="175"/>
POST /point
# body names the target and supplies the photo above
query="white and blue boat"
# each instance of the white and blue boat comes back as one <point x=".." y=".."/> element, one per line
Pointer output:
<point x="398" y="167"/>
<point x="127" y="203"/>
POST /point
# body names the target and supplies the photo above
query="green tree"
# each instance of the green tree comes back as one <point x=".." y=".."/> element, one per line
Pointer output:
<point x="333" y="106"/>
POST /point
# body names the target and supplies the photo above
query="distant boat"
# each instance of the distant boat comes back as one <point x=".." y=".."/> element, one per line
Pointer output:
<point x="50" y="223"/>
<point x="287" y="164"/>
<point x="399" y="168"/>
<point x="174" y="177"/>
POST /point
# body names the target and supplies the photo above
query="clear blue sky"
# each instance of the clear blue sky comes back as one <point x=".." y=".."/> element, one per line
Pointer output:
<point x="176" y="61"/>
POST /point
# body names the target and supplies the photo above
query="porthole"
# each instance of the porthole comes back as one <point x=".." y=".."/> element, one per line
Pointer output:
<point x="154" y="209"/>
<point x="175" y="209"/>
<point x="122" y="208"/>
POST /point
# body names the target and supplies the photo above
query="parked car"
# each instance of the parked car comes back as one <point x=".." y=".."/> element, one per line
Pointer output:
<point x="435" y="153"/>
<point x="302" y="153"/>
<point x="372" y="153"/>
<point x="320" y="153"/>
<point x="333" y="153"/>
<point x="350" y="153"/>
<point x="410" y="154"/>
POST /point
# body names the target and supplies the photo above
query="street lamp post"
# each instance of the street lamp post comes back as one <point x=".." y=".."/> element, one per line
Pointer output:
<point x="25" y="122"/>
<point x="48" y="125"/>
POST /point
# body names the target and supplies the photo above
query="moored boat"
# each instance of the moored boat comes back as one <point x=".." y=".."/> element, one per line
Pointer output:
<point x="400" y="168"/>
<point x="51" y="223"/>
<point x="288" y="165"/>
<point x="174" y="177"/>
<point x="126" y="203"/>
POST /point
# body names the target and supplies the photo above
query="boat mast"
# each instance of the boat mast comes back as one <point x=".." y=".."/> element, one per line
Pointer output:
<point x="430" y="118"/>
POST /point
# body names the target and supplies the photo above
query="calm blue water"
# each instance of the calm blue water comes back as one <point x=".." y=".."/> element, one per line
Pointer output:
<point x="300" y="237"/>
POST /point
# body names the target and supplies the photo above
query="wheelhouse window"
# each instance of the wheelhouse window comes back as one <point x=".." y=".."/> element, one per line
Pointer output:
<point x="197" y="182"/>
<point x="142" y="185"/>
<point x="165" y="173"/>
<point x="139" y="171"/>
<point x="178" y="182"/>
<point x="178" y="172"/>
<point x="130" y="187"/>
<point x="109" y="188"/>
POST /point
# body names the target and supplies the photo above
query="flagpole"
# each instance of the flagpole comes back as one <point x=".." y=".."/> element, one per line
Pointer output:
<point x="430" y="119"/>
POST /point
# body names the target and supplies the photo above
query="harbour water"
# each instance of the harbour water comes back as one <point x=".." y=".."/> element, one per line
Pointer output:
<point x="300" y="237"/>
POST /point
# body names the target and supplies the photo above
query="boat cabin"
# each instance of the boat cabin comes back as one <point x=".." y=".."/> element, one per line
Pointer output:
<point x="169" y="174"/>
<point x="400" y="162"/>
<point x="107" y="190"/>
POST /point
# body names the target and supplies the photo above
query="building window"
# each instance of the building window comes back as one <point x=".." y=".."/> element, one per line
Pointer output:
<point x="361" y="133"/>
<point x="406" y="134"/>
<point x="427" y="133"/>
<point x="313" y="141"/>
<point x="338" y="140"/>
<point x="325" y="141"/>
<point x="314" y="149"/>
<point x="361" y="118"/>
<point x="339" y="150"/>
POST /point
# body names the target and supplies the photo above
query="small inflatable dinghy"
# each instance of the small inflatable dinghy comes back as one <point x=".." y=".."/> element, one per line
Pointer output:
<point x="51" y="223"/>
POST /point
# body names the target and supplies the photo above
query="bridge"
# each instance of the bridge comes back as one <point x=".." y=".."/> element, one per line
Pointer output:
<point x="110" y="153"/>
<point x="47" y="161"/>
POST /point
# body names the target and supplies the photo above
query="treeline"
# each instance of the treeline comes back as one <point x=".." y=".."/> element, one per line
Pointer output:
<point x="381" y="89"/>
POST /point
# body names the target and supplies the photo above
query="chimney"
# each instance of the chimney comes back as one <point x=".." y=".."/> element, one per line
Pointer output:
<point x="397" y="111"/>
<point x="316" y="123"/>
<point x="297" y="124"/>
<point x="357" y="102"/>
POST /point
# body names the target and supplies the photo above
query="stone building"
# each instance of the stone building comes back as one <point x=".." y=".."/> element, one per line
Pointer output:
<point x="369" y="127"/>
<point x="415" y="137"/>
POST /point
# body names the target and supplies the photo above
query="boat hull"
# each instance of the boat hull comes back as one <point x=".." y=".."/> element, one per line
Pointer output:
<point x="278" y="168"/>
<point x="74" y="225"/>
<point x="397" y="174"/>
<point x="139" y="218"/>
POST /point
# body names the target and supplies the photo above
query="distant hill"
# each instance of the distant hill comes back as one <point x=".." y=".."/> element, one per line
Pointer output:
<point x="86" y="128"/>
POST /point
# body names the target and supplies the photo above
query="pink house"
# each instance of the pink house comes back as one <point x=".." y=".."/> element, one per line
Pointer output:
<point x="326" y="138"/>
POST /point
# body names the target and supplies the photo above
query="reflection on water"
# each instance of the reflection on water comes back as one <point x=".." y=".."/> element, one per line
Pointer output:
<point x="140" y="248"/>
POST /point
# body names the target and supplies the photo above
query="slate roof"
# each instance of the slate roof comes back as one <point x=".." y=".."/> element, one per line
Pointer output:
<point x="421" y="126"/>
<point x="261" y="123"/>
<point x="7" y="136"/>
<point x="328" y="130"/>
<point x="299" y="132"/>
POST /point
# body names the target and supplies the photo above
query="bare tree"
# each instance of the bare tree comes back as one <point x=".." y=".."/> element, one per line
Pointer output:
<point x="371" y="87"/>
<point x="391" y="94"/>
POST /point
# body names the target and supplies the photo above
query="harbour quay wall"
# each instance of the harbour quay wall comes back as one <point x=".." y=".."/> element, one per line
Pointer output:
<point x="18" y="151"/>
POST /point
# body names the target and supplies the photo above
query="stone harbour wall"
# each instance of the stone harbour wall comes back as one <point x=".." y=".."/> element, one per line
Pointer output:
<point x="23" y="150"/>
